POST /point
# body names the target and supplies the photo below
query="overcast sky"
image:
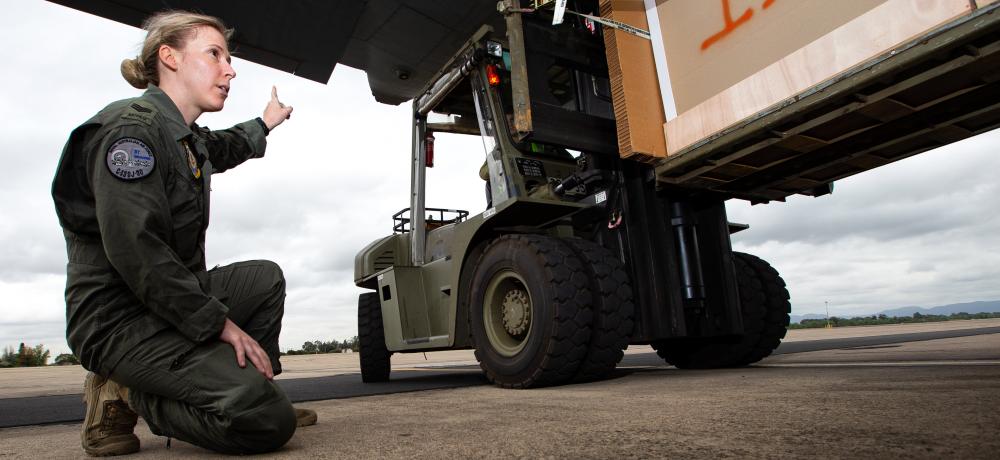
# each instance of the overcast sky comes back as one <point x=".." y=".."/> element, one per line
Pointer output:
<point x="924" y="231"/>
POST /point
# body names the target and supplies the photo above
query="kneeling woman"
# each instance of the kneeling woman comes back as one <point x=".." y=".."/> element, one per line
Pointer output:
<point x="163" y="337"/>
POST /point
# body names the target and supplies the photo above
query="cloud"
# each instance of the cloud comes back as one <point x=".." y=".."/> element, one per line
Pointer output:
<point x="956" y="182"/>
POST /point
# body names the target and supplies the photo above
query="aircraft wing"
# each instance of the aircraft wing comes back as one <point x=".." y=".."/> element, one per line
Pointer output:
<point x="400" y="44"/>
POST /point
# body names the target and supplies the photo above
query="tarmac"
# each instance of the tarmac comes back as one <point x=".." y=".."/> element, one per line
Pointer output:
<point x="923" y="399"/>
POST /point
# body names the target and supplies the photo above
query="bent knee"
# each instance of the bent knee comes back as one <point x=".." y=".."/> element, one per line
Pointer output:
<point x="265" y="428"/>
<point x="263" y="275"/>
<point x="272" y="272"/>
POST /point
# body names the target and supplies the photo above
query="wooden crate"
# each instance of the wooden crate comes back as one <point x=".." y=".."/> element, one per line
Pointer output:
<point x="719" y="62"/>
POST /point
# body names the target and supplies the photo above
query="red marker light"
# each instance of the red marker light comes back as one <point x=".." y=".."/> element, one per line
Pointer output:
<point x="429" y="150"/>
<point x="492" y="76"/>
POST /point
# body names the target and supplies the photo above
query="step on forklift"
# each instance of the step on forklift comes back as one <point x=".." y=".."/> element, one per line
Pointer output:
<point x="579" y="252"/>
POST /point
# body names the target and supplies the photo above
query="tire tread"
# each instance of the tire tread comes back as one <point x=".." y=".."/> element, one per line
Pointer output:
<point x="613" y="309"/>
<point x="374" y="355"/>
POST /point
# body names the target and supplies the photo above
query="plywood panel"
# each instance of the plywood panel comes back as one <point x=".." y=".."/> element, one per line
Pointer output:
<point x="635" y="91"/>
<point x="711" y="45"/>
<point x="885" y="26"/>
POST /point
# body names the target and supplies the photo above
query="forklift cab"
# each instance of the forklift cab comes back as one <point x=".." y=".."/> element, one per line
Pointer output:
<point x="540" y="100"/>
<point x="548" y="116"/>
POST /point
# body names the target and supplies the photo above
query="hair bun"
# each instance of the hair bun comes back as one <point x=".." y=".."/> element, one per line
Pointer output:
<point x="133" y="72"/>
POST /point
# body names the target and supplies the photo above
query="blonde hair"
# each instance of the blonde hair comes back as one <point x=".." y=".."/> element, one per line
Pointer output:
<point x="171" y="28"/>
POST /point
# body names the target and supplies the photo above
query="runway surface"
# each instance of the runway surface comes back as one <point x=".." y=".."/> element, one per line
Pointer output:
<point x="68" y="408"/>
<point x="915" y="391"/>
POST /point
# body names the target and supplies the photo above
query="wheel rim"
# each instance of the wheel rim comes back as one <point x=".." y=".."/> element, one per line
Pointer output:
<point x="507" y="313"/>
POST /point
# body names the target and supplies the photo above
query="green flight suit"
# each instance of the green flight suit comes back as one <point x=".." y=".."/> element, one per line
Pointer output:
<point x="132" y="195"/>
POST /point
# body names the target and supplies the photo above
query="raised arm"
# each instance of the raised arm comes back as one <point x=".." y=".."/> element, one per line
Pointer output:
<point x="230" y="147"/>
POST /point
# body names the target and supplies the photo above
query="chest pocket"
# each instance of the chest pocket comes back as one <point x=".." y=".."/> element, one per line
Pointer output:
<point x="189" y="202"/>
<point x="201" y="153"/>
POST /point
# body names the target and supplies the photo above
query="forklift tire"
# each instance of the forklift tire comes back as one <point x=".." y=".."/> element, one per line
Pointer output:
<point x="374" y="354"/>
<point x="765" y="306"/>
<point x="773" y="315"/>
<point x="613" y="309"/>
<point x="529" y="311"/>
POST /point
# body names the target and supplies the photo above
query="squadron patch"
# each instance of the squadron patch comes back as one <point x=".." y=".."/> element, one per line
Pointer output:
<point x="130" y="159"/>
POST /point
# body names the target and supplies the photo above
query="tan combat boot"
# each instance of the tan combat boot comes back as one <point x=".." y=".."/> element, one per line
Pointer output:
<point x="304" y="417"/>
<point x="109" y="424"/>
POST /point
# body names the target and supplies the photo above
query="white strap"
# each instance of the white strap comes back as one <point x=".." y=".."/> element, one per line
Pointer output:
<point x="608" y="22"/>
<point x="559" y="12"/>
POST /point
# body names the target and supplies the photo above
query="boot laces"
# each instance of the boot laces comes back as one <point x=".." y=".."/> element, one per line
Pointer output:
<point x="118" y="418"/>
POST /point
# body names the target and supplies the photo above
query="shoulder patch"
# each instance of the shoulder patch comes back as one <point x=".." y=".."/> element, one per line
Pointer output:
<point x="140" y="111"/>
<point x="130" y="159"/>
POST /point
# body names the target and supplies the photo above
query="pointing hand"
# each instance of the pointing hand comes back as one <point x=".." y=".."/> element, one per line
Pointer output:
<point x="275" y="113"/>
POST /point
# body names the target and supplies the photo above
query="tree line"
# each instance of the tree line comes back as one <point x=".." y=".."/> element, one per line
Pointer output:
<point x="875" y="320"/>
<point x="319" y="346"/>
<point x="37" y="355"/>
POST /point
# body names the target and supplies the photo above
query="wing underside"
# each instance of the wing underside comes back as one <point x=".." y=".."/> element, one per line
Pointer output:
<point x="400" y="44"/>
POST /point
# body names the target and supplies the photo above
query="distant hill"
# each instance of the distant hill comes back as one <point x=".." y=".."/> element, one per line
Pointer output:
<point x="799" y="318"/>
<point x="984" y="306"/>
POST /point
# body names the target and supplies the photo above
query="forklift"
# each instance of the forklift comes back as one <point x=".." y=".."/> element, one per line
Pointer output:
<point x="579" y="252"/>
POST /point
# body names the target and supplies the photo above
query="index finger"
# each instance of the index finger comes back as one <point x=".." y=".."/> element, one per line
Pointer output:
<point x="261" y="361"/>
<point x="274" y="92"/>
